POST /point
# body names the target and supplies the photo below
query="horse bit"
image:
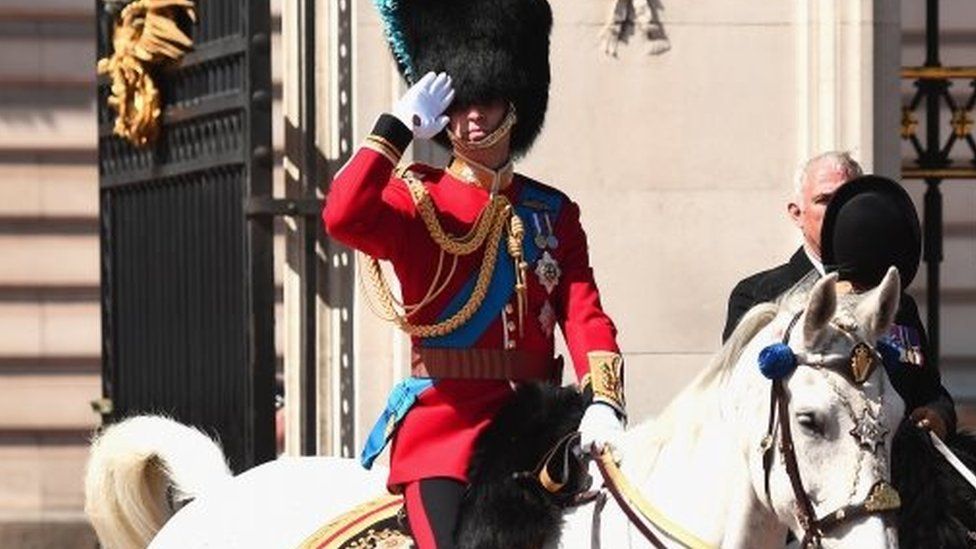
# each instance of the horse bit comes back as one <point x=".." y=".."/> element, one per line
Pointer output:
<point x="881" y="499"/>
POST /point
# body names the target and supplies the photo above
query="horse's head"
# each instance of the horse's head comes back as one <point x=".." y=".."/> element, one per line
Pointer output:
<point x="820" y="462"/>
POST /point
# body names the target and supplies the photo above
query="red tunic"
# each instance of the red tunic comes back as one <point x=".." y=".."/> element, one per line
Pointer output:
<point x="370" y="209"/>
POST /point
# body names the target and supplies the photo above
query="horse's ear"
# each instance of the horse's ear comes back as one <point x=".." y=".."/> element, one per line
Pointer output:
<point x="820" y="308"/>
<point x="876" y="312"/>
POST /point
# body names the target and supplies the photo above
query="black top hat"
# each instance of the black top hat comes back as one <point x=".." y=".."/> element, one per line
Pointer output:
<point x="871" y="224"/>
<point x="492" y="49"/>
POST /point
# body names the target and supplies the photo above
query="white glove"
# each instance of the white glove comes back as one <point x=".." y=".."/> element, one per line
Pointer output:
<point x="422" y="108"/>
<point x="600" y="427"/>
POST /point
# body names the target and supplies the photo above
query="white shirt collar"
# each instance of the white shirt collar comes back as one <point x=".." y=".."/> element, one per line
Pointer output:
<point x="817" y="264"/>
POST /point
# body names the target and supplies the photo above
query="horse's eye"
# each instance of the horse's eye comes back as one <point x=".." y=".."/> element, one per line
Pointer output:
<point x="810" y="422"/>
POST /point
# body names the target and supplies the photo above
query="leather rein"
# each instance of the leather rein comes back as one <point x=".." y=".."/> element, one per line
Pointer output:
<point x="639" y="511"/>
<point x="881" y="499"/>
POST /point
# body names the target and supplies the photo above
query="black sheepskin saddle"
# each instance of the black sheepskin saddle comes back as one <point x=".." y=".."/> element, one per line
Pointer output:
<point x="505" y="505"/>
<point x="938" y="506"/>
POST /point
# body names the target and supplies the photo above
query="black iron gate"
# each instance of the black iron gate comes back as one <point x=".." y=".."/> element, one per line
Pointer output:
<point x="938" y="155"/>
<point x="187" y="275"/>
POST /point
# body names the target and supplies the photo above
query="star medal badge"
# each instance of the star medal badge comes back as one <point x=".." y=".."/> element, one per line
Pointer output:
<point x="868" y="431"/>
<point x="547" y="319"/>
<point x="547" y="269"/>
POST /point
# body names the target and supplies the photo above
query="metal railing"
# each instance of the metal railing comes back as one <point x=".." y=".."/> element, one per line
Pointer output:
<point x="941" y="151"/>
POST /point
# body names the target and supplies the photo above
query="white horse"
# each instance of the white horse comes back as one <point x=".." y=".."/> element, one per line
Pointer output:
<point x="699" y="463"/>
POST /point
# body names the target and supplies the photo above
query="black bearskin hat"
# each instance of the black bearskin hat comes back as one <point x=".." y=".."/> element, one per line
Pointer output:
<point x="492" y="49"/>
<point x="871" y="224"/>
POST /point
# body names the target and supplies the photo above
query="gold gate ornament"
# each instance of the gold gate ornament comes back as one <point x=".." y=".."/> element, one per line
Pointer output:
<point x="145" y="34"/>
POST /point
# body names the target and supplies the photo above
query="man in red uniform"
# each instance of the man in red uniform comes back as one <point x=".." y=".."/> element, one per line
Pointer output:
<point x="488" y="260"/>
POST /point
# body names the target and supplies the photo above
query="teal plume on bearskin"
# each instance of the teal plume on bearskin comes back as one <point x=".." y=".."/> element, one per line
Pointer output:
<point x="492" y="49"/>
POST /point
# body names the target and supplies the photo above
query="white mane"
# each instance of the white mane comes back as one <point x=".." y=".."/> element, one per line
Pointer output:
<point x="698" y="402"/>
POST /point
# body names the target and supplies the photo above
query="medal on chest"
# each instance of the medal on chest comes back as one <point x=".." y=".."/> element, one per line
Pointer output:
<point x="544" y="236"/>
<point x="547" y="318"/>
<point x="908" y="343"/>
<point x="548" y="271"/>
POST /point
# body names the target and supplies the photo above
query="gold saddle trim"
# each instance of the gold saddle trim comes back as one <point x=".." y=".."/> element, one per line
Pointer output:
<point x="372" y="524"/>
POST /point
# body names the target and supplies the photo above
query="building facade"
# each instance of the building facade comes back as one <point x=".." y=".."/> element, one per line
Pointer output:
<point x="681" y="150"/>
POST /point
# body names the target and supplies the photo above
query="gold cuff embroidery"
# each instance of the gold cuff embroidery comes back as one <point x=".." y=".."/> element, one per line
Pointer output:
<point x="384" y="147"/>
<point x="585" y="382"/>
<point x="386" y="143"/>
<point x="382" y="150"/>
<point x="606" y="378"/>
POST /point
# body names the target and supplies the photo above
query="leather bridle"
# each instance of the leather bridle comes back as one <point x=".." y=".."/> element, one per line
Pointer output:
<point x="881" y="499"/>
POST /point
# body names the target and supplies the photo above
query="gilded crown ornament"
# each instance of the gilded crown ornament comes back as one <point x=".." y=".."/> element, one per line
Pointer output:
<point x="145" y="34"/>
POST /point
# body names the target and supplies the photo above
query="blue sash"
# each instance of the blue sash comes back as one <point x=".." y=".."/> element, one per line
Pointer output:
<point x="531" y="200"/>
<point x="402" y="398"/>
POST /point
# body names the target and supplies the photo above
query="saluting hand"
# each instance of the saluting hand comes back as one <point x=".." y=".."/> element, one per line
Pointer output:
<point x="422" y="108"/>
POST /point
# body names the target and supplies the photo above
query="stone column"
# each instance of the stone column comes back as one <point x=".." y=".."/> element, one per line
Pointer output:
<point x="291" y="52"/>
<point x="848" y="56"/>
<point x="312" y="150"/>
<point x="358" y="357"/>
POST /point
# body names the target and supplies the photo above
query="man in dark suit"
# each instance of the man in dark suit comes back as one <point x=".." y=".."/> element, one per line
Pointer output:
<point x="859" y="229"/>
<point x="817" y="182"/>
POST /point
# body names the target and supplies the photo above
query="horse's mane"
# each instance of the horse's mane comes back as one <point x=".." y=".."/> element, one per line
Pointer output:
<point x="689" y="410"/>
<point x="692" y="406"/>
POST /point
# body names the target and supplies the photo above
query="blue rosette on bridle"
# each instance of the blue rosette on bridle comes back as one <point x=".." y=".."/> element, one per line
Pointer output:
<point x="777" y="361"/>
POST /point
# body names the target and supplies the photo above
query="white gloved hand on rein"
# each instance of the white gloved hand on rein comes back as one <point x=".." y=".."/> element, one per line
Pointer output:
<point x="422" y="108"/>
<point x="600" y="427"/>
